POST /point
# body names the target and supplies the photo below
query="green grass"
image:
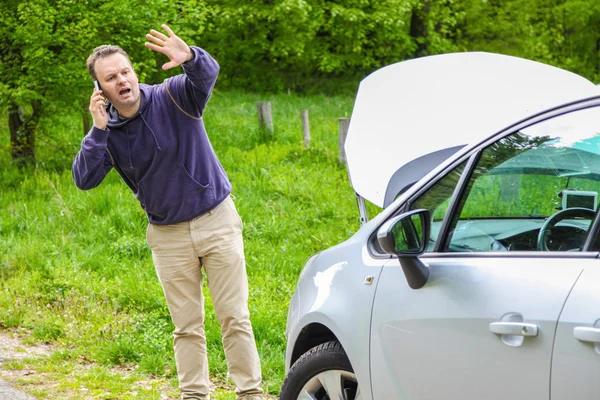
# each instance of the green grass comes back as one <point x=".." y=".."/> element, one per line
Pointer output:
<point x="75" y="269"/>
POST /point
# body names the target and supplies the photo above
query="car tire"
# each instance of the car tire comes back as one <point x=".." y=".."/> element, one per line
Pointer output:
<point x="322" y="373"/>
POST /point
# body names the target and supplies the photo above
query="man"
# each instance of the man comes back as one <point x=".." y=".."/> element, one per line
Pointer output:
<point x="154" y="137"/>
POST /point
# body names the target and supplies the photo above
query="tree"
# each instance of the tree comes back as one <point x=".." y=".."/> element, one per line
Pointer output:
<point x="563" y="33"/>
<point x="275" y="45"/>
<point x="303" y="44"/>
<point x="41" y="66"/>
<point x="44" y="46"/>
<point x="419" y="28"/>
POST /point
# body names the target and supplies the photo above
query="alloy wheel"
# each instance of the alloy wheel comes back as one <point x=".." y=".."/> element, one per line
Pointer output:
<point x="331" y="385"/>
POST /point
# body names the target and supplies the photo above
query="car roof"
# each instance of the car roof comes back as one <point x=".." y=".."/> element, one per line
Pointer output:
<point x="411" y="116"/>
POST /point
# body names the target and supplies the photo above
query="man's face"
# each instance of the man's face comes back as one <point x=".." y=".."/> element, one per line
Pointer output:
<point x="118" y="81"/>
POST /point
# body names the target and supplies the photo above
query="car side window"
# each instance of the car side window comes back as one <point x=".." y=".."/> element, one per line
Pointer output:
<point x="436" y="199"/>
<point x="535" y="190"/>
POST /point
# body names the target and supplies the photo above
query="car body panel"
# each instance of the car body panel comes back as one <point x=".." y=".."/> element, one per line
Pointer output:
<point x="319" y="299"/>
<point x="413" y="108"/>
<point x="436" y="342"/>
<point x="576" y="363"/>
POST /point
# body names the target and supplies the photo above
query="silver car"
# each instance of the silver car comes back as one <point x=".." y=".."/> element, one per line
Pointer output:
<point x="480" y="279"/>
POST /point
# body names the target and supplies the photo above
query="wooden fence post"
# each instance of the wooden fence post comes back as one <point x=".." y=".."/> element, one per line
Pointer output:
<point x="265" y="119"/>
<point x="305" y="128"/>
<point x="344" y="123"/>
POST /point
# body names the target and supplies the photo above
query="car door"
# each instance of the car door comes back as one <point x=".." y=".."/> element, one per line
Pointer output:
<point x="483" y="326"/>
<point x="576" y="358"/>
<point x="436" y="342"/>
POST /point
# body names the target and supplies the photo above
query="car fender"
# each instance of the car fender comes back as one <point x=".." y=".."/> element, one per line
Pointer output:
<point x="346" y="313"/>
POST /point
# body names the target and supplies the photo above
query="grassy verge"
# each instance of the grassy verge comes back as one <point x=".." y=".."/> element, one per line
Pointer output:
<point x="75" y="270"/>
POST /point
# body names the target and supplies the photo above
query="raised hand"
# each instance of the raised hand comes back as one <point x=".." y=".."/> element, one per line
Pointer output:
<point x="172" y="46"/>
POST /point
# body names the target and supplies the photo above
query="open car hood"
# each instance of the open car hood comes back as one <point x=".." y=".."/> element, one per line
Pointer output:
<point x="411" y="116"/>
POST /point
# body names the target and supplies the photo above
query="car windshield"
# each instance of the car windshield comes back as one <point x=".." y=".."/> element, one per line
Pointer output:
<point x="535" y="179"/>
<point x="539" y="170"/>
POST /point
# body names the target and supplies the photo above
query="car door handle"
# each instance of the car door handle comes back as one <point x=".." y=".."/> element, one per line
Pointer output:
<point x="514" y="328"/>
<point x="586" y="334"/>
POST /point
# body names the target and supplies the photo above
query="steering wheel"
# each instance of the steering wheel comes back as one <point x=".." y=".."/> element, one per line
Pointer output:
<point x="569" y="213"/>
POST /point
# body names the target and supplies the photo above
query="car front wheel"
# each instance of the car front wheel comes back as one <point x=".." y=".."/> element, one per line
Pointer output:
<point x="322" y="373"/>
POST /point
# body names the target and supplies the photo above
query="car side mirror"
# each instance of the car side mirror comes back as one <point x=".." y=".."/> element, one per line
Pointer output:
<point x="407" y="236"/>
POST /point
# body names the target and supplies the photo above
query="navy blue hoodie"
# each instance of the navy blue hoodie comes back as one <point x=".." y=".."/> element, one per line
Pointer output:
<point x="162" y="153"/>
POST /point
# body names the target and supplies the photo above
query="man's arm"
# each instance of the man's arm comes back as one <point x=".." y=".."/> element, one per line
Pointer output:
<point x="92" y="163"/>
<point x="192" y="90"/>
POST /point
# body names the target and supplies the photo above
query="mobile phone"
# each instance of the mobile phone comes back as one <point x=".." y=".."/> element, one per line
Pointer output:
<point x="97" y="87"/>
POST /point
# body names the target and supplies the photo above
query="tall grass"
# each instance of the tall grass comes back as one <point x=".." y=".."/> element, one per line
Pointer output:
<point x="76" y="271"/>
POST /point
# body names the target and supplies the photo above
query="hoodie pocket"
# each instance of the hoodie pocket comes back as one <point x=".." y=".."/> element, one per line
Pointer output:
<point x="163" y="195"/>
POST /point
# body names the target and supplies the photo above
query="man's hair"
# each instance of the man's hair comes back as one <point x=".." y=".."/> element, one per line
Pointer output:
<point x="100" y="52"/>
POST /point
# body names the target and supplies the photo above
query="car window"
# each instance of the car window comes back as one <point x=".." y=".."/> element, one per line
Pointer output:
<point x="535" y="190"/>
<point x="437" y="199"/>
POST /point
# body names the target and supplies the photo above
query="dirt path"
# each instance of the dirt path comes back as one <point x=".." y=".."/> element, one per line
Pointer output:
<point x="12" y="349"/>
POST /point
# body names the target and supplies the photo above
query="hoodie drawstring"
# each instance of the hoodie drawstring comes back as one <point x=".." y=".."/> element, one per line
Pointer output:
<point x="153" y="134"/>
<point x="128" y="146"/>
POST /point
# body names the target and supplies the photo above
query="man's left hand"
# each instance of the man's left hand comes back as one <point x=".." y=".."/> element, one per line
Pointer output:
<point x="172" y="46"/>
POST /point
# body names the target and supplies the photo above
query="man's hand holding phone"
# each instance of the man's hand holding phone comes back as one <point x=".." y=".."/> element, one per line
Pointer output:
<point x="98" y="108"/>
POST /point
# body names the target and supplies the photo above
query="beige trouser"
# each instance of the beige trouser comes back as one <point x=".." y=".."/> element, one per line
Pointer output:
<point x="213" y="241"/>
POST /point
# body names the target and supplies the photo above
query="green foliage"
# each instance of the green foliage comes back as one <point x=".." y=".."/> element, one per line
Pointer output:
<point x="47" y="332"/>
<point x="307" y="44"/>
<point x="278" y="45"/>
<point x="563" y="33"/>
